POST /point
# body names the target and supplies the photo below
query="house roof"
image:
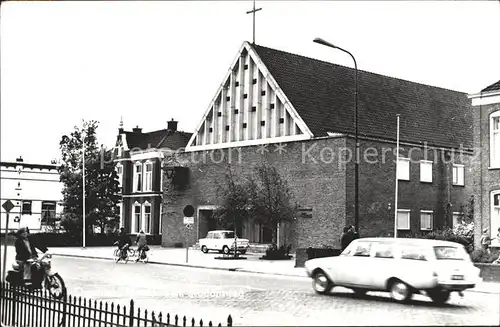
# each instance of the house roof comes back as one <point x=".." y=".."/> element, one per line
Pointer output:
<point x="323" y="95"/>
<point x="164" y="138"/>
<point x="492" y="87"/>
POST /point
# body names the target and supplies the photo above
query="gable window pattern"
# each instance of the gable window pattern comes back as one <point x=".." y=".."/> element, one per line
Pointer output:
<point x="495" y="140"/>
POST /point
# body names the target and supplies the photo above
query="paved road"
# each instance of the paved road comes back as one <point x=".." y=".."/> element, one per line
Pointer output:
<point x="257" y="299"/>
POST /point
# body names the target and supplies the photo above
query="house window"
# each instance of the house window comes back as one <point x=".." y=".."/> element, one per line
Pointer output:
<point x="119" y="213"/>
<point x="138" y="177"/>
<point x="495" y="139"/>
<point x="403" y="169"/>
<point x="457" y="218"/>
<point x="426" y="220"/>
<point x="119" y="172"/>
<point x="48" y="212"/>
<point x="425" y="171"/>
<point x="26" y="208"/>
<point x="495" y="213"/>
<point x="147" y="218"/>
<point x="404" y="219"/>
<point x="458" y="175"/>
<point x="148" y="177"/>
<point x="137" y="223"/>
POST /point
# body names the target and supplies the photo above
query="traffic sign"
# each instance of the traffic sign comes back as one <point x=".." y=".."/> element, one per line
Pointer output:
<point x="188" y="220"/>
<point x="188" y="211"/>
<point x="8" y="205"/>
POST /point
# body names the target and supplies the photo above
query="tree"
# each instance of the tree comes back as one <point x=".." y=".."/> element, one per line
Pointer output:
<point x="233" y="200"/>
<point x="271" y="200"/>
<point x="101" y="181"/>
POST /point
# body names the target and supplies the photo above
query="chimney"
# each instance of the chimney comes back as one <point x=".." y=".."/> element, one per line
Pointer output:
<point x="172" y="125"/>
<point x="20" y="159"/>
<point x="137" y="130"/>
<point x="120" y="129"/>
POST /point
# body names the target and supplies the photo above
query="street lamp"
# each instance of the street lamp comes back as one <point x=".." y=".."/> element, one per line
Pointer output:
<point x="356" y="164"/>
<point x="83" y="182"/>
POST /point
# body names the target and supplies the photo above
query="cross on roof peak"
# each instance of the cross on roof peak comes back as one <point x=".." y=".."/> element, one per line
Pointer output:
<point x="253" y="11"/>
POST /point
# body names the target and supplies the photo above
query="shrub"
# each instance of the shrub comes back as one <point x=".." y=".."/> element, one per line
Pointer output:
<point x="482" y="256"/>
<point x="460" y="234"/>
<point x="275" y="253"/>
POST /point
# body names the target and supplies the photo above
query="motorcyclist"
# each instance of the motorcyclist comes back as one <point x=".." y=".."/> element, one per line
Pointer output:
<point x="26" y="252"/>
<point x="123" y="242"/>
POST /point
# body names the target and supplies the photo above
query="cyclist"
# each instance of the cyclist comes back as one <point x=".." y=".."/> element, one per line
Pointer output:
<point x="123" y="243"/>
<point x="141" y="244"/>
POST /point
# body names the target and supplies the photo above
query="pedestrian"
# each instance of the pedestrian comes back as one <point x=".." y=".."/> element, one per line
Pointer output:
<point x="485" y="240"/>
<point x="355" y="234"/>
<point x="141" y="244"/>
<point x="347" y="237"/>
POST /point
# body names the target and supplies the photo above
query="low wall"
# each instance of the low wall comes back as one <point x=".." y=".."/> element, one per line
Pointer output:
<point x="303" y="254"/>
<point x="489" y="272"/>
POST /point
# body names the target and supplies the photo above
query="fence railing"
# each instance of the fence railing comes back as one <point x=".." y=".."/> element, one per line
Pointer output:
<point x="35" y="308"/>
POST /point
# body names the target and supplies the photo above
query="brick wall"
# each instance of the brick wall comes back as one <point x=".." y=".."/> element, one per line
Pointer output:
<point x="318" y="175"/>
<point x="317" y="184"/>
<point x="377" y="186"/>
<point x="485" y="180"/>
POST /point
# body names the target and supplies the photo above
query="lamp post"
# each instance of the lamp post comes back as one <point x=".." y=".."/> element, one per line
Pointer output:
<point x="84" y="230"/>
<point x="356" y="164"/>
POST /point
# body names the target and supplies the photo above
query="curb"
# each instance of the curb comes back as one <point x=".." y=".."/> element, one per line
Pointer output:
<point x="229" y="269"/>
<point x="182" y="265"/>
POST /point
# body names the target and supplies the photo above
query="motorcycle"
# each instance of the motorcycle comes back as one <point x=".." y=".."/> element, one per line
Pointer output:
<point x="42" y="276"/>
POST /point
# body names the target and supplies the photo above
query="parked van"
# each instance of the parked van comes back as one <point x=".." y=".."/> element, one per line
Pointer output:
<point x="401" y="266"/>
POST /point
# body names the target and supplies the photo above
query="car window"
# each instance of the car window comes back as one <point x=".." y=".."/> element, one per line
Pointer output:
<point x="210" y="235"/>
<point x="362" y="249"/>
<point x="228" y="235"/>
<point x="450" y="253"/>
<point x="384" y="250"/>
<point x="412" y="252"/>
<point x="216" y="235"/>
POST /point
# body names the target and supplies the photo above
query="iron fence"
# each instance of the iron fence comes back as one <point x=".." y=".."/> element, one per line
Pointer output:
<point x="21" y="307"/>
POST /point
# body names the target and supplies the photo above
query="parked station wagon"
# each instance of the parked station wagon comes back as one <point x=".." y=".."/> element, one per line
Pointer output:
<point x="223" y="241"/>
<point x="401" y="266"/>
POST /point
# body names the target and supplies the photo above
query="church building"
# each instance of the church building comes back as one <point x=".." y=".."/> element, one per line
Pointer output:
<point x="298" y="115"/>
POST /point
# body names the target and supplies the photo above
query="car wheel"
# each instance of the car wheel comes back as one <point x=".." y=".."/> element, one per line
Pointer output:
<point x="400" y="291"/>
<point x="204" y="249"/>
<point x="225" y="249"/>
<point x="321" y="283"/>
<point x="359" y="291"/>
<point x="438" y="296"/>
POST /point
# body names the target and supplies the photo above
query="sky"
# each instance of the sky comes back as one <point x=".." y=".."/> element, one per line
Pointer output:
<point x="151" y="61"/>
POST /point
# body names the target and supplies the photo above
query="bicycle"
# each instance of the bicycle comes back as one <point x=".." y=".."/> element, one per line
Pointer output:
<point x="143" y="255"/>
<point x="123" y="254"/>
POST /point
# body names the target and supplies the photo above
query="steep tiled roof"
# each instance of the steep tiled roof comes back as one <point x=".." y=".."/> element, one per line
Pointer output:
<point x="323" y="95"/>
<point x="158" y="139"/>
<point x="492" y="87"/>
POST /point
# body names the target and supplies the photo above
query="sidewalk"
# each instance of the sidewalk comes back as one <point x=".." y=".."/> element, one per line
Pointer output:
<point x="196" y="258"/>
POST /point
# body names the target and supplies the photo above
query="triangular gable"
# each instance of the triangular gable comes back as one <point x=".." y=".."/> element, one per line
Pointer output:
<point x="249" y="108"/>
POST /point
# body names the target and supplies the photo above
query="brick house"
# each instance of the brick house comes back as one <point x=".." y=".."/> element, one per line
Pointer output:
<point x="487" y="162"/>
<point x="138" y="156"/>
<point x="297" y="114"/>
